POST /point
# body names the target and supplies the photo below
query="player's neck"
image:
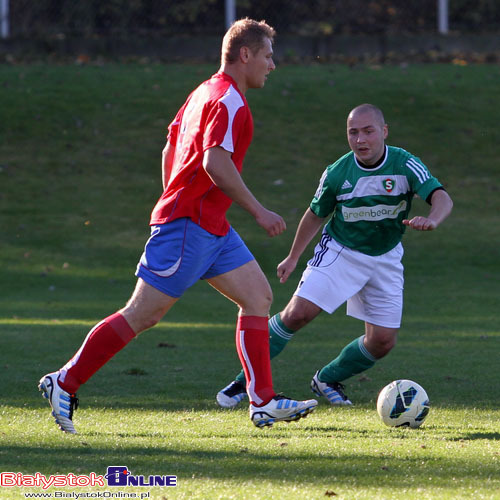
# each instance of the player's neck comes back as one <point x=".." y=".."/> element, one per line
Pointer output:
<point x="233" y="71"/>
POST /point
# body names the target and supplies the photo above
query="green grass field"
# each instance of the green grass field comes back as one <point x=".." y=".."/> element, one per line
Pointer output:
<point x="79" y="174"/>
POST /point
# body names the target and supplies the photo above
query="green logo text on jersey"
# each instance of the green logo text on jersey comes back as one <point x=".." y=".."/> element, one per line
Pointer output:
<point x="377" y="212"/>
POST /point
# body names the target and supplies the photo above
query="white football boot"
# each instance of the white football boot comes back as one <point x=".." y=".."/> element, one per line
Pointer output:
<point x="281" y="409"/>
<point x="63" y="404"/>
<point x="334" y="391"/>
<point x="231" y="395"/>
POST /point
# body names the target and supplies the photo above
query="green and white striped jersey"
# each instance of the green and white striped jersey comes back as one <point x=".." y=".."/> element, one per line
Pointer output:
<point x="369" y="204"/>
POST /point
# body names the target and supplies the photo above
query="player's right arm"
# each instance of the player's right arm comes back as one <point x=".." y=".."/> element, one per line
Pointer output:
<point x="308" y="227"/>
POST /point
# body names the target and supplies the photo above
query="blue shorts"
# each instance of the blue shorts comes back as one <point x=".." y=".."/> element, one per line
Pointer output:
<point x="179" y="253"/>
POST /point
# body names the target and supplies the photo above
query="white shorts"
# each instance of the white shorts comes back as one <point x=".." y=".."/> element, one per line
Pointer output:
<point x="372" y="286"/>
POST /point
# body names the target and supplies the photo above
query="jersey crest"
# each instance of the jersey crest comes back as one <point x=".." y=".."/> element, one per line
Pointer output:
<point x="389" y="184"/>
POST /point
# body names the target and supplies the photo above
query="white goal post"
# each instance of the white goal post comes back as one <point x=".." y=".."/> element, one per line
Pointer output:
<point x="4" y="19"/>
<point x="230" y="12"/>
<point x="442" y="11"/>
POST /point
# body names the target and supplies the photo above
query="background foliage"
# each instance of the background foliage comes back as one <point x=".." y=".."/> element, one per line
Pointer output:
<point x="151" y="18"/>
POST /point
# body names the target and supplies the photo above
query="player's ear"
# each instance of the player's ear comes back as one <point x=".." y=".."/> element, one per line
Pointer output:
<point x="386" y="131"/>
<point x="244" y="54"/>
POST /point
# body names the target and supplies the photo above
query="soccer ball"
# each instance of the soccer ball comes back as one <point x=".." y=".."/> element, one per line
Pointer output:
<point x="403" y="403"/>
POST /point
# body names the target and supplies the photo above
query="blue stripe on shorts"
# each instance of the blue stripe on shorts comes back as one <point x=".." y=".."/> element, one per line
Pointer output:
<point x="179" y="253"/>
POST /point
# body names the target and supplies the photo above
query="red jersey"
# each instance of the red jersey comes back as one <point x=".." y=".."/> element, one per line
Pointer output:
<point x="215" y="114"/>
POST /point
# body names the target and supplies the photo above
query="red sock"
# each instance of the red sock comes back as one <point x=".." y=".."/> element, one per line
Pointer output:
<point x="252" y="344"/>
<point x="102" y="343"/>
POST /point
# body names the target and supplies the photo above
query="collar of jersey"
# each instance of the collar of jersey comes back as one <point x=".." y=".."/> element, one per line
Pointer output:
<point x="380" y="163"/>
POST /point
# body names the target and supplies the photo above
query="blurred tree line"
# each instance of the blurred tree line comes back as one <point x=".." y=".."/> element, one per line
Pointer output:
<point x="159" y="18"/>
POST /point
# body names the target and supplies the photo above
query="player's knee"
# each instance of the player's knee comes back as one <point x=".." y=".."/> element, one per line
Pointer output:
<point x="385" y="347"/>
<point x="382" y="344"/>
<point x="149" y="322"/>
<point x="295" y="318"/>
<point x="257" y="303"/>
<point x="140" y="322"/>
<point x="298" y="313"/>
<point x="264" y="301"/>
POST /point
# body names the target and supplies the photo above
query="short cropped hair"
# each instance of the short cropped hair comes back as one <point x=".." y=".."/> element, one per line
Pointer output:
<point x="245" y="33"/>
<point x="362" y="108"/>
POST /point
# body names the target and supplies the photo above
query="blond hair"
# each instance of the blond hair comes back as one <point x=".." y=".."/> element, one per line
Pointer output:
<point x="245" y="33"/>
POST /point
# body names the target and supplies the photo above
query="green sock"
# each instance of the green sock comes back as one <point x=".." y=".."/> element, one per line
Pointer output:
<point x="354" y="358"/>
<point x="279" y="336"/>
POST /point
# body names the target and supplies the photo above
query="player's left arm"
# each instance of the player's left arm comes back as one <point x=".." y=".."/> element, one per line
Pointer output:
<point x="219" y="166"/>
<point x="167" y="162"/>
<point x="441" y="206"/>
